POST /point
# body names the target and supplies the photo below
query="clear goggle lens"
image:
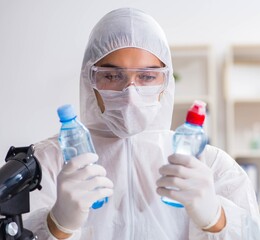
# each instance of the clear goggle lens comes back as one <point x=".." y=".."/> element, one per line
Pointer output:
<point x="148" y="81"/>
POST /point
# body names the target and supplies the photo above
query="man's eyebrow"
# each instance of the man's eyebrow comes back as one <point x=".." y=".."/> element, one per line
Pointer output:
<point x="115" y="66"/>
<point x="109" y="65"/>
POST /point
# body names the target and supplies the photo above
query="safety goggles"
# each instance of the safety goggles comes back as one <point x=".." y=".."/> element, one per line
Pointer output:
<point x="147" y="81"/>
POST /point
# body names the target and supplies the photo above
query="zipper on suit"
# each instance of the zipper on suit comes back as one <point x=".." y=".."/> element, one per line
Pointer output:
<point x="130" y="187"/>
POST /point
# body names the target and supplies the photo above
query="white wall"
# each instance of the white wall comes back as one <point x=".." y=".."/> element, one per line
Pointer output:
<point x="42" y="44"/>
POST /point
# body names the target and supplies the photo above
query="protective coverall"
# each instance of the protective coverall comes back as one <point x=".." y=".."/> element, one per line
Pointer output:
<point x="136" y="211"/>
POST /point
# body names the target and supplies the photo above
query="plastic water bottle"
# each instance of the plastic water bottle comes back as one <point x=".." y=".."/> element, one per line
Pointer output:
<point x="189" y="138"/>
<point x="75" y="139"/>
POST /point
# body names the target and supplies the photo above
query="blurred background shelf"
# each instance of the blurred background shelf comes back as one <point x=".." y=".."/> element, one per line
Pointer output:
<point x="242" y="96"/>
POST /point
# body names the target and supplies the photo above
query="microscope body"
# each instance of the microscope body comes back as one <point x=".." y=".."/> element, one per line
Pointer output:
<point x="18" y="177"/>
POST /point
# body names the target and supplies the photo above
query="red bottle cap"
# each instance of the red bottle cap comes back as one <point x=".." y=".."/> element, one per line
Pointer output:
<point x="196" y="114"/>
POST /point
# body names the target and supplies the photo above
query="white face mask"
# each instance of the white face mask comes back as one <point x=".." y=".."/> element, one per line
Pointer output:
<point x="128" y="113"/>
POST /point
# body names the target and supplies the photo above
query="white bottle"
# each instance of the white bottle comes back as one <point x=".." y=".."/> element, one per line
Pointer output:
<point x="189" y="138"/>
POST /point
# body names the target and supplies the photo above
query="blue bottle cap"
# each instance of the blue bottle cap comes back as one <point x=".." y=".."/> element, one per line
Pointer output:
<point x="66" y="113"/>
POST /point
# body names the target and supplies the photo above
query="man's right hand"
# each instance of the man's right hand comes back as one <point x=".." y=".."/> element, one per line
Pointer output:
<point x="79" y="184"/>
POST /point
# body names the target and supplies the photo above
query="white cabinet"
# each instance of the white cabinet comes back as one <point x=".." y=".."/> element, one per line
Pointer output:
<point x="242" y="92"/>
<point x="194" y="71"/>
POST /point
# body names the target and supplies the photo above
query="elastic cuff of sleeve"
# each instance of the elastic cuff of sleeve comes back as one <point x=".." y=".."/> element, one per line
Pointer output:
<point x="63" y="229"/>
<point x="215" y="220"/>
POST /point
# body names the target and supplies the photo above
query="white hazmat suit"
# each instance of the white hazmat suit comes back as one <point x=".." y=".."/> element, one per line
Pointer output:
<point x="135" y="211"/>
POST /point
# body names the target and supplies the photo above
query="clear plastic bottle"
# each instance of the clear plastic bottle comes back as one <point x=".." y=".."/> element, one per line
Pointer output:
<point x="190" y="138"/>
<point x="75" y="139"/>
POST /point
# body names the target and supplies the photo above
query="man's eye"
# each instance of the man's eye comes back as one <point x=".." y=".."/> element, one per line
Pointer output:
<point x="147" y="77"/>
<point x="114" y="76"/>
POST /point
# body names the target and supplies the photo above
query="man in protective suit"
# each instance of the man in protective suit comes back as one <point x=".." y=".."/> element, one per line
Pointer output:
<point x="126" y="102"/>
